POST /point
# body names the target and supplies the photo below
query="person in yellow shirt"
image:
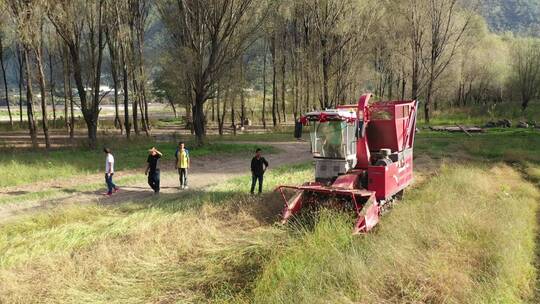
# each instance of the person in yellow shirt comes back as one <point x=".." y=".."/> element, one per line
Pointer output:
<point x="182" y="164"/>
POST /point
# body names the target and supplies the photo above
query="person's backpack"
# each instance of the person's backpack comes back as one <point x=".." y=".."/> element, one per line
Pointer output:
<point x="178" y="150"/>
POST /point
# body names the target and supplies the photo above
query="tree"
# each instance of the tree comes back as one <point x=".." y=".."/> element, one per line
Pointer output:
<point x="526" y="69"/>
<point x="81" y="26"/>
<point x="445" y="35"/>
<point x="263" y="116"/>
<point x="2" y="64"/>
<point x="339" y="28"/>
<point x="23" y="18"/>
<point x="113" y="48"/>
<point x="20" y="79"/>
<point x="213" y="35"/>
<point x="139" y="10"/>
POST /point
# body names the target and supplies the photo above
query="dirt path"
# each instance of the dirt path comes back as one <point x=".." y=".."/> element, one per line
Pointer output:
<point x="204" y="172"/>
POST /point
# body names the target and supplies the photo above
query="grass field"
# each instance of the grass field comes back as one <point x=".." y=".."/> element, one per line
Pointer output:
<point x="23" y="166"/>
<point x="464" y="234"/>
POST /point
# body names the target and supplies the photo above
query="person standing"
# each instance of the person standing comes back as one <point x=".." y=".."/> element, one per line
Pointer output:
<point x="258" y="167"/>
<point x="109" y="172"/>
<point x="152" y="169"/>
<point x="182" y="164"/>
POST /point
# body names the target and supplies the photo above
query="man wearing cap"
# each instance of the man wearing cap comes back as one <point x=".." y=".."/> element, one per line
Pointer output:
<point x="152" y="169"/>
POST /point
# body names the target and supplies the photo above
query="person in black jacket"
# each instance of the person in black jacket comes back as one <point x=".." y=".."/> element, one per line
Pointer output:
<point x="152" y="169"/>
<point x="258" y="167"/>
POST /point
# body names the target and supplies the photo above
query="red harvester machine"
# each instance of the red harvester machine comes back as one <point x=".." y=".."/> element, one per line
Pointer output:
<point x="363" y="158"/>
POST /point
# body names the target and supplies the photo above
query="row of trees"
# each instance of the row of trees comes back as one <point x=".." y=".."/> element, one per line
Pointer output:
<point x="77" y="33"/>
<point x="300" y="55"/>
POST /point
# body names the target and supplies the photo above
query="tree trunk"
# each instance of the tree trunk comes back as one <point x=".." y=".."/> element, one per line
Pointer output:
<point x="135" y="116"/>
<point x="20" y="61"/>
<point x="308" y="90"/>
<point x="198" y="118"/>
<point x="283" y="87"/>
<point x="29" y="100"/>
<point x="140" y="101"/>
<point x="233" y="115"/>
<point x="71" y="110"/>
<point x="5" y="81"/>
<point x="114" y="74"/>
<point x="189" y="117"/>
<point x="296" y="90"/>
<point x="427" y="105"/>
<point x="403" y="85"/>
<point x="125" y="88"/>
<point x="173" y="107"/>
<point x="66" y="75"/>
<point x="94" y="115"/>
<point x="264" y="90"/>
<point x="213" y="110"/>
<point x="142" y="78"/>
<point x="42" y="86"/>
<point x="429" y="93"/>
<point x="77" y="75"/>
<point x="242" y="101"/>
<point x="51" y="86"/>
<point x="220" y="116"/>
<point x="274" y="91"/>
<point x="325" y="65"/>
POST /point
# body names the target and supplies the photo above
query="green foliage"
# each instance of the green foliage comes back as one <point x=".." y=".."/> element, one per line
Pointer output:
<point x="511" y="15"/>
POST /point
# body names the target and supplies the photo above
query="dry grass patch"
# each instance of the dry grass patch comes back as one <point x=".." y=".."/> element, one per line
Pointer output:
<point x="160" y="257"/>
<point x="465" y="236"/>
<point x="206" y="246"/>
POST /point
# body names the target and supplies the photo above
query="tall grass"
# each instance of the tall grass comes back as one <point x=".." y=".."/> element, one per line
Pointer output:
<point x="190" y="248"/>
<point x="466" y="236"/>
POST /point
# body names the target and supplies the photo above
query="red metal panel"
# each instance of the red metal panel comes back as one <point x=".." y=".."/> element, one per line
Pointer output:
<point x="389" y="125"/>
<point x="388" y="180"/>
<point x="347" y="181"/>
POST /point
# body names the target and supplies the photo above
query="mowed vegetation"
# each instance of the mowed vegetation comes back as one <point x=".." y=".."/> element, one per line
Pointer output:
<point x="465" y="233"/>
<point x="24" y="167"/>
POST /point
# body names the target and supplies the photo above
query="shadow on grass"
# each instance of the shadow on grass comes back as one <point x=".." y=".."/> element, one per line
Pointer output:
<point x="265" y="208"/>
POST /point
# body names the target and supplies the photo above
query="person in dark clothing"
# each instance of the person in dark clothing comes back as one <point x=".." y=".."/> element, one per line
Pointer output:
<point x="152" y="169"/>
<point x="258" y="167"/>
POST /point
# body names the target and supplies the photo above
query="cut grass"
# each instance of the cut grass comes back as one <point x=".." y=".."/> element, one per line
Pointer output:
<point x="23" y="167"/>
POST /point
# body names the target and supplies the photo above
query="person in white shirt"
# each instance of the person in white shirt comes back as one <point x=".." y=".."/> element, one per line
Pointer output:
<point x="109" y="172"/>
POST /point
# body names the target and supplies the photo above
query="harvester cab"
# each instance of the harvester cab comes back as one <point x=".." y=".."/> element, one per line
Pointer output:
<point x="363" y="159"/>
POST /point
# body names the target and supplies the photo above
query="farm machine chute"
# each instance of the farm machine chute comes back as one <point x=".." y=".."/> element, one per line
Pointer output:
<point x="363" y="158"/>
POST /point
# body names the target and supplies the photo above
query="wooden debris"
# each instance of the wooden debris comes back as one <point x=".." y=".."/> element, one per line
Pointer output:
<point x="464" y="130"/>
<point x="458" y="128"/>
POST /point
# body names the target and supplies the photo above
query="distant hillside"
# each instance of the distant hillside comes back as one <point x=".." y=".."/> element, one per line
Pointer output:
<point x="511" y="15"/>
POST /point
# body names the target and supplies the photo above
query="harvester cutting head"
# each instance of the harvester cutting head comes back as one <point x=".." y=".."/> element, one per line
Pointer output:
<point x="363" y="158"/>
